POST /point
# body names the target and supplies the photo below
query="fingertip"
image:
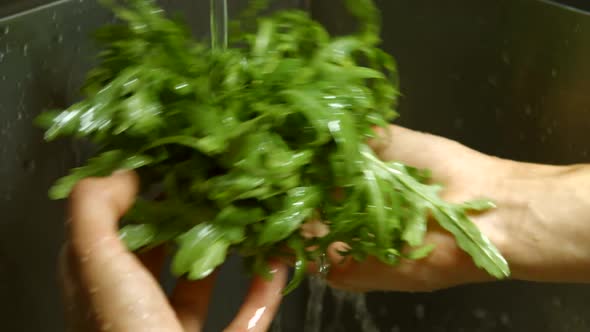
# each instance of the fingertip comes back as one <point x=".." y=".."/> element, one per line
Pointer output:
<point x="340" y="265"/>
<point x="262" y="301"/>
<point x="96" y="206"/>
<point x="336" y="255"/>
<point x="118" y="191"/>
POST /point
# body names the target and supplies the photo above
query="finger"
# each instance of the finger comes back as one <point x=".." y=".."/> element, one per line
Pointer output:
<point x="417" y="149"/>
<point x="96" y="205"/>
<point x="190" y="301"/>
<point x="261" y="303"/>
<point x="123" y="294"/>
<point x="445" y="267"/>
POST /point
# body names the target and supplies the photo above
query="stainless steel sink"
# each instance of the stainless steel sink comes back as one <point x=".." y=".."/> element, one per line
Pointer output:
<point x="507" y="77"/>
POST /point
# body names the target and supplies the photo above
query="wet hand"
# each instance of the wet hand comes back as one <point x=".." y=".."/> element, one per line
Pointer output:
<point x="466" y="175"/>
<point x="108" y="288"/>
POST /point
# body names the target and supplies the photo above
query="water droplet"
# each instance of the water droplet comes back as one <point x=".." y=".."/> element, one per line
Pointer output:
<point x="54" y="16"/>
<point x="419" y="311"/>
<point x="549" y="131"/>
<point x="78" y="28"/>
<point x="6" y="29"/>
<point x="556" y="301"/>
<point x="4" y="77"/>
<point x="505" y="319"/>
<point x="25" y="49"/>
<point x="554" y="73"/>
<point x="528" y="110"/>
<point x="2" y="55"/>
<point x="60" y="38"/>
<point x="493" y="80"/>
<point x="480" y="313"/>
<point x="506" y="58"/>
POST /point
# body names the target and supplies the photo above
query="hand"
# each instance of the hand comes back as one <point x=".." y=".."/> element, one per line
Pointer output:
<point x="536" y="224"/>
<point x="108" y="288"/>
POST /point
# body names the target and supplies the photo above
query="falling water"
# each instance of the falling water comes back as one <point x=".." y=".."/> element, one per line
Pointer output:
<point x="218" y="21"/>
<point x="314" y="320"/>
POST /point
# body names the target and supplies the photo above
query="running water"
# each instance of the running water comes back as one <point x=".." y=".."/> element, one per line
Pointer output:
<point x="319" y="293"/>
<point x="218" y="21"/>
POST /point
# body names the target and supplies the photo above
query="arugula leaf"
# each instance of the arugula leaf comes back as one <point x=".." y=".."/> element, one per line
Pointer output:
<point x="190" y="260"/>
<point x="102" y="165"/>
<point x="246" y="142"/>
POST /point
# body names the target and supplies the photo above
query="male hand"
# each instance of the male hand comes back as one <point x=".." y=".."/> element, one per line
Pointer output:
<point x="108" y="288"/>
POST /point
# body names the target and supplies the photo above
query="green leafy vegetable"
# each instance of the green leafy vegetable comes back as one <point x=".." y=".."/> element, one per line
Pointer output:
<point x="249" y="141"/>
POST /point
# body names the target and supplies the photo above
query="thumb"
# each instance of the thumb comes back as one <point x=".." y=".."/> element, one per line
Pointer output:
<point x="122" y="294"/>
<point x="422" y="150"/>
<point x="96" y="205"/>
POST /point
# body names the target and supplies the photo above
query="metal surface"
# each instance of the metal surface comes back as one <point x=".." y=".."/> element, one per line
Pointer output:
<point x="44" y="55"/>
<point x="507" y="77"/>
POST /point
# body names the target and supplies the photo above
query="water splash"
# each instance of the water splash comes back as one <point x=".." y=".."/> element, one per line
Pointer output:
<point x="315" y="304"/>
<point x="318" y="290"/>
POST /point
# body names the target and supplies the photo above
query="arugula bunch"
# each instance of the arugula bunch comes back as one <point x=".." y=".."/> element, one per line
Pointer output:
<point x="248" y="142"/>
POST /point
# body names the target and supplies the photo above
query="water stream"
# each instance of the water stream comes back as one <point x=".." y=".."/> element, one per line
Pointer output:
<point x="218" y="21"/>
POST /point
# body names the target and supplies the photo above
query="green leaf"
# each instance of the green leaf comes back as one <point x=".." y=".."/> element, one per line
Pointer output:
<point x="103" y="165"/>
<point x="421" y="253"/>
<point x="200" y="251"/>
<point x="138" y="236"/>
<point x="297" y="207"/>
<point x="478" y="205"/>
<point x="297" y="245"/>
<point x="416" y="226"/>
<point x="469" y="238"/>
<point x="236" y="147"/>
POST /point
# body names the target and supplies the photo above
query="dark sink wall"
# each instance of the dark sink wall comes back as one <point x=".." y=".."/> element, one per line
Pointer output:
<point x="507" y="77"/>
